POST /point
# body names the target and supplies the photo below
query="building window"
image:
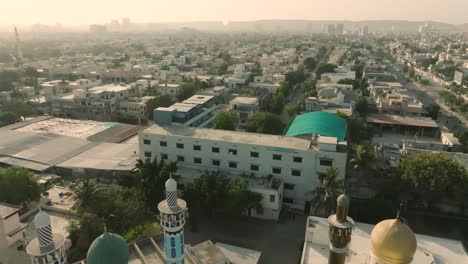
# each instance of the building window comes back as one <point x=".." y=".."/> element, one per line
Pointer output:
<point x="295" y="172"/>
<point x="276" y="157"/>
<point x="215" y="149"/>
<point x="180" y="158"/>
<point x="288" y="186"/>
<point x="253" y="167"/>
<point x="197" y="160"/>
<point x="180" y="145"/>
<point x="288" y="200"/>
<point x="297" y="159"/>
<point x="253" y="154"/>
<point x="197" y="147"/>
<point x="272" y="198"/>
<point x="232" y="164"/>
<point x="232" y="151"/>
<point x="147" y="154"/>
<point x="326" y="162"/>
<point x="216" y="162"/>
<point x="146" y="141"/>
<point x="276" y="170"/>
<point x="164" y="156"/>
<point x="163" y="143"/>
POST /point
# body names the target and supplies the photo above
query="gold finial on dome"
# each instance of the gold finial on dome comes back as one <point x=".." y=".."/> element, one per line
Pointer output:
<point x="393" y="241"/>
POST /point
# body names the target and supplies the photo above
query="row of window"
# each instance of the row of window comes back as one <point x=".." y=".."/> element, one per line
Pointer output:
<point x="253" y="154"/>
<point x="231" y="164"/>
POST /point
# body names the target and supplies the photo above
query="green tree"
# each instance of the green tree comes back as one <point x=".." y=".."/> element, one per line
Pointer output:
<point x="8" y="78"/>
<point x="240" y="198"/>
<point x="160" y="101"/>
<point x="142" y="231"/>
<point x="150" y="177"/>
<point x="324" y="195"/>
<point x="255" y="71"/>
<point x="433" y="175"/>
<point x="462" y="136"/>
<point x="433" y="110"/>
<point x="293" y="110"/>
<point x="362" y="106"/>
<point x="18" y="186"/>
<point x="364" y="158"/>
<point x="346" y="81"/>
<point x="266" y="123"/>
<point x="88" y="196"/>
<point x="323" y="68"/>
<point x="310" y="63"/>
<point x="7" y="118"/>
<point x="357" y="131"/>
<point x="226" y="120"/>
<point x="191" y="86"/>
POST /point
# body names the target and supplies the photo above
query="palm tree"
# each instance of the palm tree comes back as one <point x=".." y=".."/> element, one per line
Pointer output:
<point x="364" y="159"/>
<point x="87" y="195"/>
<point x="325" y="195"/>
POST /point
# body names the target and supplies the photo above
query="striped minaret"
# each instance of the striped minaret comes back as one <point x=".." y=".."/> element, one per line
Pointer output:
<point x="43" y="229"/>
<point x="172" y="213"/>
<point x="47" y="248"/>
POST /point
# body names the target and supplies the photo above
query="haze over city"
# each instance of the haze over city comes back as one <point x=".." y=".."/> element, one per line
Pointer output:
<point x="89" y="11"/>
<point x="233" y="131"/>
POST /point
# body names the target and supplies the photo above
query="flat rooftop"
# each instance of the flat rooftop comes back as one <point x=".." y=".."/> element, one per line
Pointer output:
<point x="245" y="100"/>
<point x="105" y="156"/>
<point x="273" y="141"/>
<point x="401" y="120"/>
<point x="109" y="88"/>
<point x="430" y="250"/>
<point x="7" y="210"/>
<point x="66" y="127"/>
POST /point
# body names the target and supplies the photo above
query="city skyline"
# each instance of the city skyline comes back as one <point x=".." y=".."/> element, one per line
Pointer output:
<point x="89" y="12"/>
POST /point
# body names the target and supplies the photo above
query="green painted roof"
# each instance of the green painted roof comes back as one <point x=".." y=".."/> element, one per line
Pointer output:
<point x="321" y="123"/>
<point x="108" y="248"/>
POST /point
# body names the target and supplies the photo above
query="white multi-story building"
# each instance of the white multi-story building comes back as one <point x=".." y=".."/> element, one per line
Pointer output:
<point x="297" y="159"/>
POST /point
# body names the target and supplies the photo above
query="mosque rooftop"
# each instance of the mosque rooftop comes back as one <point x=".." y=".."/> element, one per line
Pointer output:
<point x="430" y="250"/>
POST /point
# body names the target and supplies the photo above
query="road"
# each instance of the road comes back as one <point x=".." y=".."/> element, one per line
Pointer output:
<point x="430" y="94"/>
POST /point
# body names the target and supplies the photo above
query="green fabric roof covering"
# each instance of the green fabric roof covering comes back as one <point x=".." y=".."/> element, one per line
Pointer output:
<point x="322" y="123"/>
<point x="108" y="248"/>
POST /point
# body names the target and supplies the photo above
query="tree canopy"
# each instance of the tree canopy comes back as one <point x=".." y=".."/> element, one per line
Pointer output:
<point x="323" y="68"/>
<point x="266" y="123"/>
<point x="433" y="110"/>
<point x="18" y="186"/>
<point x="160" y="101"/>
<point x="462" y="136"/>
<point x="433" y="175"/>
<point x="324" y="195"/>
<point x="226" y="120"/>
<point x="213" y="193"/>
<point x="362" y="106"/>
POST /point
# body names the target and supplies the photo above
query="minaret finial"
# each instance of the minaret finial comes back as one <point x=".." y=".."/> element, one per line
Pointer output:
<point x="399" y="211"/>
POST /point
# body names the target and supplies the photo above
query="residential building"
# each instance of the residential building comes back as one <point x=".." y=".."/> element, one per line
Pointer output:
<point x="135" y="107"/>
<point x="245" y="107"/>
<point x="196" y="111"/>
<point x="11" y="235"/>
<point x="297" y="159"/>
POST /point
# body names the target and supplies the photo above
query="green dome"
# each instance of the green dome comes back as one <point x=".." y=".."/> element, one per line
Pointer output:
<point x="108" y="248"/>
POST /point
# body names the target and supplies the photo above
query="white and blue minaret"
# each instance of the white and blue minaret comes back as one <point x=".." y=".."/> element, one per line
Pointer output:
<point x="172" y="212"/>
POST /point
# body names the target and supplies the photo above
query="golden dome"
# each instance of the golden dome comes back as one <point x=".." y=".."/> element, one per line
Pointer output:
<point x="393" y="241"/>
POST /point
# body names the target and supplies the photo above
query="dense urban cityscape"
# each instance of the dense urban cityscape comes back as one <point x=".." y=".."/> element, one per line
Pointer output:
<point x="249" y="142"/>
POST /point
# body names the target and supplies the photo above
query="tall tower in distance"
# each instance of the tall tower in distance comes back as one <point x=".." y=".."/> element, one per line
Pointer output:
<point x="339" y="232"/>
<point x="47" y="248"/>
<point x="18" y="52"/>
<point x="172" y="213"/>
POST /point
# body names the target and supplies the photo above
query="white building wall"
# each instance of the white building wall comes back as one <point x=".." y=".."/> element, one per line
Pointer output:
<point x="309" y="167"/>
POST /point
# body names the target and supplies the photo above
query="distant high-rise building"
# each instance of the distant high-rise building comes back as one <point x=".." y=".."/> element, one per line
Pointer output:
<point x="330" y="29"/>
<point x="18" y="52"/>
<point x="339" y="28"/>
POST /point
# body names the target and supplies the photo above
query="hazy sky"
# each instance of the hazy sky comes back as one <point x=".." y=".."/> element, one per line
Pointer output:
<point x="100" y="11"/>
